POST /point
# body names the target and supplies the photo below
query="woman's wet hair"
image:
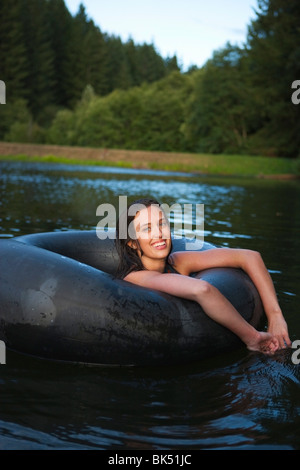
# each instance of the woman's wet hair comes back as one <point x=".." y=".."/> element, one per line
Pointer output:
<point x="129" y="259"/>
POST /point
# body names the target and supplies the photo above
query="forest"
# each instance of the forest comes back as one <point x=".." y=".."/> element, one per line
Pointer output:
<point x="69" y="83"/>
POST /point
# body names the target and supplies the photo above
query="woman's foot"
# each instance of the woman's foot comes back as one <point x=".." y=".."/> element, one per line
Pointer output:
<point x="263" y="342"/>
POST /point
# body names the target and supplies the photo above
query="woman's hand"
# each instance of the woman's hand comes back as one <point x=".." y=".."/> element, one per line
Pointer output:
<point x="278" y="328"/>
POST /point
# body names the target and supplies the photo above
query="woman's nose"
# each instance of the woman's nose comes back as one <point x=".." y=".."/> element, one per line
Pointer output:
<point x="156" y="232"/>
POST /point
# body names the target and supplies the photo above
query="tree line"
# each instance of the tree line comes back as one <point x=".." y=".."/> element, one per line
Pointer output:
<point x="69" y="83"/>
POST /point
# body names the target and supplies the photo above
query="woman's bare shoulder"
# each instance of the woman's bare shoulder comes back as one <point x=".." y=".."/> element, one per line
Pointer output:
<point x="141" y="277"/>
<point x="179" y="260"/>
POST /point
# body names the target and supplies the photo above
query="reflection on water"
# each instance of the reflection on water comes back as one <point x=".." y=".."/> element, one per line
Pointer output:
<point x="241" y="400"/>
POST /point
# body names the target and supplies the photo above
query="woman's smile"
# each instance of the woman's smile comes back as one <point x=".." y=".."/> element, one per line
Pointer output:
<point x="159" y="245"/>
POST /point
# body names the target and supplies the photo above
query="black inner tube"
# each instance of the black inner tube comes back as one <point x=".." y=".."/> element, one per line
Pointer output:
<point x="59" y="299"/>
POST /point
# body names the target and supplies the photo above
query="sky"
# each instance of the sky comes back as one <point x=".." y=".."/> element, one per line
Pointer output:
<point x="189" y="29"/>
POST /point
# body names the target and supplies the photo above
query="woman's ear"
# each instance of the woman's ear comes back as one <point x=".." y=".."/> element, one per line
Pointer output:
<point x="132" y="244"/>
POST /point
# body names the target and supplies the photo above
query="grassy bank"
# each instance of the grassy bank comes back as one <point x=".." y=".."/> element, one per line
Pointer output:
<point x="235" y="165"/>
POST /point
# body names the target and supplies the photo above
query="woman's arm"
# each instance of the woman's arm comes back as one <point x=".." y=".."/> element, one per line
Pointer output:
<point x="214" y="304"/>
<point x="252" y="263"/>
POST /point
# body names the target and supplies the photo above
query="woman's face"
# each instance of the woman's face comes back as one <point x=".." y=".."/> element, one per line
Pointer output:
<point x="153" y="232"/>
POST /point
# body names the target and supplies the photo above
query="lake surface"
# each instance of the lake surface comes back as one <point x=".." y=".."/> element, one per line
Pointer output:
<point x="239" y="400"/>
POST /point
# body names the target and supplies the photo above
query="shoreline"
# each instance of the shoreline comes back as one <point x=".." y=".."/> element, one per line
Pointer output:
<point x="204" y="164"/>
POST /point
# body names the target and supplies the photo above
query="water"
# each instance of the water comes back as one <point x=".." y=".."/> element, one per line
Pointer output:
<point x="240" y="400"/>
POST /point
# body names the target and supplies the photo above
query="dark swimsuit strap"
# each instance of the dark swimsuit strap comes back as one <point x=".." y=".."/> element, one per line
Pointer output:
<point x="169" y="269"/>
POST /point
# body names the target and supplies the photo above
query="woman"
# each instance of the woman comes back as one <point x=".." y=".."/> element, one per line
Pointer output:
<point x="145" y="260"/>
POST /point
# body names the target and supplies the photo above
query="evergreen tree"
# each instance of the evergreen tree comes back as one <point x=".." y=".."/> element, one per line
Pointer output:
<point x="14" y="68"/>
<point x="117" y="71"/>
<point x="86" y="57"/>
<point x="75" y="57"/>
<point x="94" y="47"/>
<point x="60" y="21"/>
<point x="40" y="81"/>
<point x="150" y="66"/>
<point x="171" y="64"/>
